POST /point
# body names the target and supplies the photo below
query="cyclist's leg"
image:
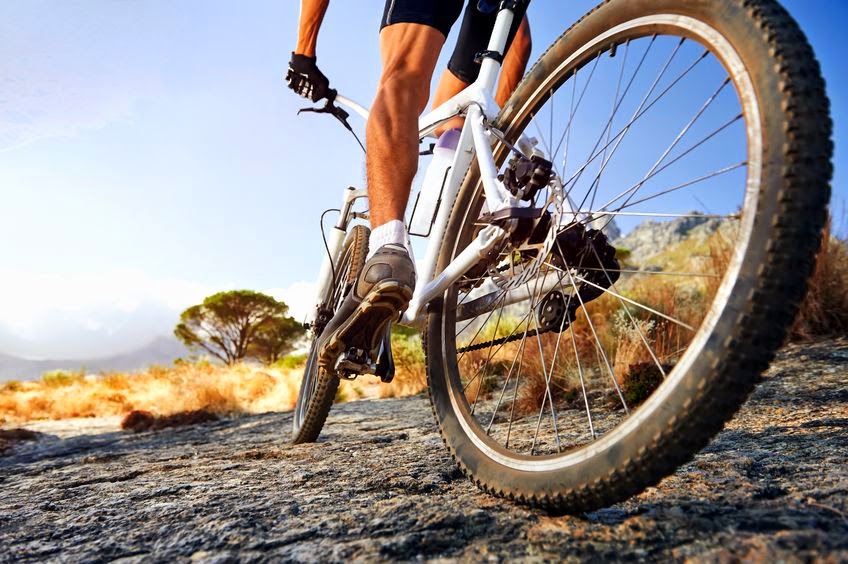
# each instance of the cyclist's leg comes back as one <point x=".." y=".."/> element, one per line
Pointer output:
<point x="409" y="53"/>
<point x="462" y="70"/>
<point x="515" y="63"/>
<point x="385" y="285"/>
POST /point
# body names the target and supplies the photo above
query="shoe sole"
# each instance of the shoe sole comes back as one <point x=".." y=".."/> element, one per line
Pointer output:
<point x="382" y="304"/>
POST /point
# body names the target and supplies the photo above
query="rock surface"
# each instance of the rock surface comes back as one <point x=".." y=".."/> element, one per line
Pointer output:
<point x="380" y="486"/>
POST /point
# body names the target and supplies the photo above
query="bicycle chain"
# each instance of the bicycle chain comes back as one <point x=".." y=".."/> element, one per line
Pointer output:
<point x="549" y="311"/>
<point x="554" y="309"/>
<point x="509" y="339"/>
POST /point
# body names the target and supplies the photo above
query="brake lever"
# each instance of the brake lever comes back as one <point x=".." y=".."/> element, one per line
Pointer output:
<point x="337" y="112"/>
<point x="332" y="109"/>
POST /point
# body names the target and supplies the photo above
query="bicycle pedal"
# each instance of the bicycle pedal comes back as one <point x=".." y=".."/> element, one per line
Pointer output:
<point x="353" y="363"/>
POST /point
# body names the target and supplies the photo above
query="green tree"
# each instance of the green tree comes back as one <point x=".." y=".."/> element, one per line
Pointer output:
<point x="275" y="339"/>
<point x="232" y="326"/>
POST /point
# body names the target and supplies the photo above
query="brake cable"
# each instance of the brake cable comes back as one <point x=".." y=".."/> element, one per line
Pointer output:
<point x="337" y="112"/>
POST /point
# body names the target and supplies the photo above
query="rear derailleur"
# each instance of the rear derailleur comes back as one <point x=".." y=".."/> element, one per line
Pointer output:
<point x="589" y="254"/>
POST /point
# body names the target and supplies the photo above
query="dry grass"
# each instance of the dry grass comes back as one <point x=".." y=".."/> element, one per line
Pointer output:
<point x="410" y="368"/>
<point x="160" y="390"/>
<point x="164" y="391"/>
<point x="631" y="350"/>
<point x="824" y="311"/>
<point x="194" y="388"/>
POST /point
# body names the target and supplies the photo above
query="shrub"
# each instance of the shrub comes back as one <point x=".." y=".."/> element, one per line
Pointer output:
<point x="641" y="381"/>
<point x="291" y="361"/>
<point x="12" y="386"/>
<point x="140" y="420"/>
<point x="8" y="438"/>
<point x="61" y="378"/>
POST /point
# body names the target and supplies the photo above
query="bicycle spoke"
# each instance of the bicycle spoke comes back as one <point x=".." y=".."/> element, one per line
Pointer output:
<point x="532" y="309"/>
<point x="668" y="215"/>
<point x="656" y="272"/>
<point x="630" y="317"/>
<point x="595" y="154"/>
<point x="485" y="365"/>
<point x="686" y="185"/>
<point x="579" y="100"/>
<point x="637" y="304"/>
<point x="595" y="336"/>
<point x="548" y="396"/>
<point x="567" y="131"/>
<point x="636" y="113"/>
<point x="677" y="140"/>
<point x="549" y="378"/>
<point x="614" y="109"/>
<point x="508" y="376"/>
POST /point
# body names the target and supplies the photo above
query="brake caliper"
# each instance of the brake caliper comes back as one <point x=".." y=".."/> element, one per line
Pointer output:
<point x="525" y="177"/>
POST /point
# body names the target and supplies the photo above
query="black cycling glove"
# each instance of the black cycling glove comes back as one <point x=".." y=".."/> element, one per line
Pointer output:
<point x="305" y="78"/>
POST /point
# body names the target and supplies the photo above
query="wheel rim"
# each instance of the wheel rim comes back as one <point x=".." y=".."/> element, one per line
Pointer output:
<point x="562" y="444"/>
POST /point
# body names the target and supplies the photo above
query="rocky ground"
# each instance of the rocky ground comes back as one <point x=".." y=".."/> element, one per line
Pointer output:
<point x="380" y="486"/>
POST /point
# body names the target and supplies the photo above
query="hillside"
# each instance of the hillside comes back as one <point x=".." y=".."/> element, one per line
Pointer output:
<point x="651" y="238"/>
<point x="162" y="350"/>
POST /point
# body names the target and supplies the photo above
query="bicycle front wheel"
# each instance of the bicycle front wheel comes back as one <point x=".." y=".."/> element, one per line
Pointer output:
<point x="578" y="366"/>
<point x="318" y="387"/>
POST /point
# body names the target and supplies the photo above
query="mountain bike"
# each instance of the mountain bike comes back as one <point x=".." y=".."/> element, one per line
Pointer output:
<point x="564" y="371"/>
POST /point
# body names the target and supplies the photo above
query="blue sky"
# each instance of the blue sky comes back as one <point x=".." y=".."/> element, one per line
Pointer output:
<point x="150" y="154"/>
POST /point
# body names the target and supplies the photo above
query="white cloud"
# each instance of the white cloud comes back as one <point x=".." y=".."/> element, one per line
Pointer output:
<point x="50" y="315"/>
<point x="300" y="297"/>
<point x="46" y="315"/>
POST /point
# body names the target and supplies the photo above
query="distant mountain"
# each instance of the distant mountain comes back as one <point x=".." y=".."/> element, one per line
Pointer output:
<point x="652" y="237"/>
<point x="162" y="350"/>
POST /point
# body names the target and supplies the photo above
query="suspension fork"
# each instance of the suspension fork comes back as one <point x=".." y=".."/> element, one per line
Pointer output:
<point x="335" y="241"/>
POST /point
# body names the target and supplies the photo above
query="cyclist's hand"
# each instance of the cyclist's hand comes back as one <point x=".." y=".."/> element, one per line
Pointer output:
<point x="305" y="78"/>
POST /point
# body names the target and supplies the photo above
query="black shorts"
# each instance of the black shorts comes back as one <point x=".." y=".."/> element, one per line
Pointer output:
<point x="441" y="14"/>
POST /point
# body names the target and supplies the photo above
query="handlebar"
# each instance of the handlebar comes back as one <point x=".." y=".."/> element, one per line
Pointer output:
<point x="350" y="104"/>
<point x="337" y="112"/>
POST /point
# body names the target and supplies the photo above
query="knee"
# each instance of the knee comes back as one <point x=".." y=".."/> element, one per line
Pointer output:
<point x="408" y="84"/>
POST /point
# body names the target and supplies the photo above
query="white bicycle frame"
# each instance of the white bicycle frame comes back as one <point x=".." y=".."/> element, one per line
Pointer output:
<point x="479" y="106"/>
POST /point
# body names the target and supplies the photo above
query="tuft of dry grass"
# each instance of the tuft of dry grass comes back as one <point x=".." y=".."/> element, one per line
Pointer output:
<point x="410" y="367"/>
<point x="631" y="349"/>
<point x="824" y="310"/>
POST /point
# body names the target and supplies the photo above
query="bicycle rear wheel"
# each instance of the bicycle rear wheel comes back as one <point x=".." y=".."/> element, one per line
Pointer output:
<point x="318" y="387"/>
<point x="570" y="373"/>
